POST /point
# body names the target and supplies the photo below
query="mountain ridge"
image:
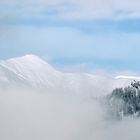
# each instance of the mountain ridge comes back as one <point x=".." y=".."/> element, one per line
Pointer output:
<point x="32" y="71"/>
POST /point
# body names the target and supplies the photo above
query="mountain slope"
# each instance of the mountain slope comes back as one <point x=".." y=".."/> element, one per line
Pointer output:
<point x="31" y="71"/>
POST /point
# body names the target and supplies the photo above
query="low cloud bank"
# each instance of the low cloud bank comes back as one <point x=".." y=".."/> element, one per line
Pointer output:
<point x="59" y="116"/>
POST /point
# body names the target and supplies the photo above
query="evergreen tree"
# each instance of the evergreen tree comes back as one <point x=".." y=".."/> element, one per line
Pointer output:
<point x="125" y="101"/>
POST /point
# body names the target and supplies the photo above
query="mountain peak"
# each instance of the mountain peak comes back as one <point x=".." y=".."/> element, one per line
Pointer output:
<point x="29" y="57"/>
<point x="28" y="62"/>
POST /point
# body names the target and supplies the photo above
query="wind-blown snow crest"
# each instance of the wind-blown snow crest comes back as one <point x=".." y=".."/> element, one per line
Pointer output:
<point x="127" y="77"/>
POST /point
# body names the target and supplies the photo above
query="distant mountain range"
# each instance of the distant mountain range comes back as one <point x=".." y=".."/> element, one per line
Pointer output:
<point x="32" y="72"/>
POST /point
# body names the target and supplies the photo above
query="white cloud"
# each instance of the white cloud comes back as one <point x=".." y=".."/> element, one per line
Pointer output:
<point x="29" y="115"/>
<point x="71" y="9"/>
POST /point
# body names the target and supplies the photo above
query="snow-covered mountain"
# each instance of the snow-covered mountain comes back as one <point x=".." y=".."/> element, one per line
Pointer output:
<point x="127" y="77"/>
<point x="31" y="71"/>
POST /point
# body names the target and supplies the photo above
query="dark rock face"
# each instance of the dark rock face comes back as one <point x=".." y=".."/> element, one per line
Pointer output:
<point x="123" y="102"/>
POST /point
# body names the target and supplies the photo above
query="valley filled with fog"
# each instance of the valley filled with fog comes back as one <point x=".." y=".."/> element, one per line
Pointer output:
<point x="38" y="102"/>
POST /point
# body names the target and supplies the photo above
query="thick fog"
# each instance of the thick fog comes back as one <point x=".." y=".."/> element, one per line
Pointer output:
<point x="60" y="116"/>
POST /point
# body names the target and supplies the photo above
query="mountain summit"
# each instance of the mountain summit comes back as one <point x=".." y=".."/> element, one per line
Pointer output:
<point x="31" y="69"/>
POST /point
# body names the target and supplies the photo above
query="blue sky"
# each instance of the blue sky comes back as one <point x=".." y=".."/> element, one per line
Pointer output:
<point x="99" y="34"/>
